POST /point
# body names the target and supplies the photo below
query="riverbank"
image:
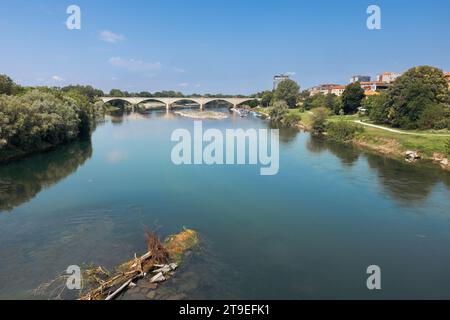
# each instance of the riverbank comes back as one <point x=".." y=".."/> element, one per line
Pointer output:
<point x="429" y="145"/>
<point x="396" y="144"/>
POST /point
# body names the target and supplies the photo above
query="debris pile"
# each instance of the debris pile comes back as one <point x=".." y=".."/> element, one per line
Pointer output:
<point x="158" y="264"/>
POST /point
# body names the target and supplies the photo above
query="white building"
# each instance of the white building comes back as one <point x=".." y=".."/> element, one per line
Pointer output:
<point x="388" y="77"/>
<point x="360" y="78"/>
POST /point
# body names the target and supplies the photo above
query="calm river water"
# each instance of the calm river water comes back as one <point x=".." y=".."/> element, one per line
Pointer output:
<point x="309" y="232"/>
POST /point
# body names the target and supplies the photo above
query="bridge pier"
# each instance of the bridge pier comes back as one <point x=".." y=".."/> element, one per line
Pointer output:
<point x="167" y="106"/>
<point x="202" y="107"/>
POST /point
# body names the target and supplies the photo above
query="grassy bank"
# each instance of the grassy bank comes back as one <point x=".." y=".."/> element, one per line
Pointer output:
<point x="397" y="143"/>
<point x="429" y="144"/>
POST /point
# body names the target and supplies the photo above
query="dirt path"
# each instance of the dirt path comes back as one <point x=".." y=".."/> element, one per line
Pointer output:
<point x="401" y="132"/>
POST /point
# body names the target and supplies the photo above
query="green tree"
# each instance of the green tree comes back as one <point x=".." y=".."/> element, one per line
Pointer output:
<point x="434" y="116"/>
<point x="280" y="116"/>
<point x="375" y="106"/>
<point x="117" y="93"/>
<point x="266" y="99"/>
<point x="288" y="91"/>
<point x="87" y="91"/>
<point x="333" y="102"/>
<point x="329" y="101"/>
<point x="7" y="85"/>
<point x="411" y="93"/>
<point x="352" y="98"/>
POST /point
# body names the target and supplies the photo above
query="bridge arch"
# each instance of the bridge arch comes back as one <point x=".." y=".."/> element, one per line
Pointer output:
<point x="163" y="103"/>
<point x="229" y="103"/>
<point x="117" y="100"/>
<point x="187" y="99"/>
<point x="241" y="101"/>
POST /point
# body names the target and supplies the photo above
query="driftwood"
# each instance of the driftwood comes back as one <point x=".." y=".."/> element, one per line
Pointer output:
<point x="115" y="293"/>
<point x="154" y="261"/>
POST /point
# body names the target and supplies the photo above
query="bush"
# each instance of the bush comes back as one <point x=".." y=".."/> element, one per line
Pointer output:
<point x="318" y="119"/>
<point x="280" y="115"/>
<point x="343" y="131"/>
<point x="7" y="86"/>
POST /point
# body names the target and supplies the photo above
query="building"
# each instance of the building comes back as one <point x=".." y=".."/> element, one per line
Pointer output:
<point x="322" y="88"/>
<point x="278" y="79"/>
<point x="327" y="88"/>
<point x="360" y="79"/>
<point x="388" y="77"/>
<point x="337" y="90"/>
<point x="375" y="86"/>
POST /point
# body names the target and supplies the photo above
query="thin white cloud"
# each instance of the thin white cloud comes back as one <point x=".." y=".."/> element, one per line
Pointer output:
<point x="57" y="78"/>
<point x="134" y="65"/>
<point x="290" y="73"/>
<point x="184" y="84"/>
<point x="111" y="37"/>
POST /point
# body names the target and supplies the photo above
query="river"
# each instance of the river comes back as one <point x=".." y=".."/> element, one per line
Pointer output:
<point x="309" y="232"/>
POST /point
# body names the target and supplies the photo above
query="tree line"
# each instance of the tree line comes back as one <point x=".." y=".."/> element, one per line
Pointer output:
<point x="419" y="99"/>
<point x="36" y="119"/>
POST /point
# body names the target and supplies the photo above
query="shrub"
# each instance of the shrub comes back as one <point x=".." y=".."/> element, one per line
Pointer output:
<point x="343" y="131"/>
<point x="318" y="119"/>
<point x="280" y="115"/>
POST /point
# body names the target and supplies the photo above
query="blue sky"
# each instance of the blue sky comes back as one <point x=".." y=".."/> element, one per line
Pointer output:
<point x="217" y="46"/>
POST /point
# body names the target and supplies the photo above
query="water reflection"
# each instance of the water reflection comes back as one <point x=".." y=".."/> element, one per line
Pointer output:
<point x="406" y="183"/>
<point x="21" y="181"/>
<point x="287" y="135"/>
<point x="347" y="154"/>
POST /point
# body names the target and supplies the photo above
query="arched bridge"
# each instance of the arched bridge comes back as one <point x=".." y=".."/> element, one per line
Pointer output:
<point x="169" y="101"/>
